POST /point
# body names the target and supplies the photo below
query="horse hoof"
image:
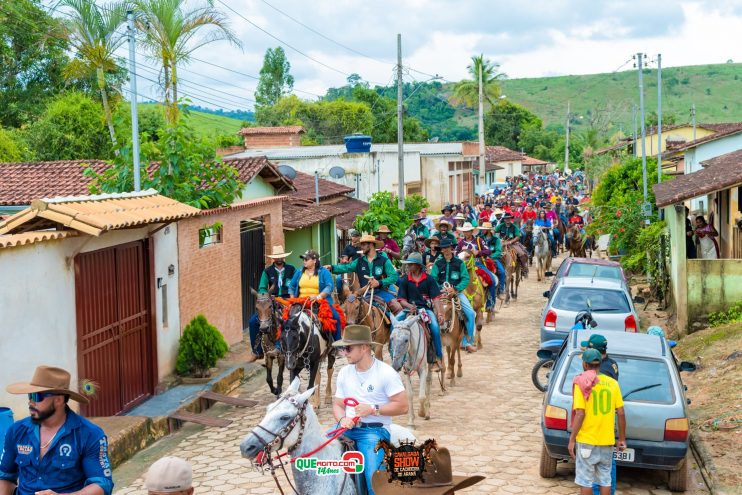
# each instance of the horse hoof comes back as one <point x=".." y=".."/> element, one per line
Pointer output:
<point x="459" y="374"/>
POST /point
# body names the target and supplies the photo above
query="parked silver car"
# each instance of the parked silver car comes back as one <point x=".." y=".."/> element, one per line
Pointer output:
<point x="657" y="424"/>
<point x="608" y="299"/>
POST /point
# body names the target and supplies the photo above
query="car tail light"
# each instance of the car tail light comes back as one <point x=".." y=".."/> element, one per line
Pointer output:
<point x="550" y="320"/>
<point x="676" y="430"/>
<point x="556" y="418"/>
<point x="630" y="324"/>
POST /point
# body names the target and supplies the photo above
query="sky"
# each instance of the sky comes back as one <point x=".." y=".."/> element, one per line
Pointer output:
<point x="528" y="38"/>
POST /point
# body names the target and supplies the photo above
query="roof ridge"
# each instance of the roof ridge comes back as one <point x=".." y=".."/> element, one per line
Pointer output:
<point x="99" y="197"/>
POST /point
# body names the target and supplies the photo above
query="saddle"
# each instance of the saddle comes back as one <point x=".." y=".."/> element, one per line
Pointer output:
<point x="424" y="323"/>
<point x="357" y="479"/>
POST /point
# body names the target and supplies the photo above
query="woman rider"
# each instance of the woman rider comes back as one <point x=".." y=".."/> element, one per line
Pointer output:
<point x="493" y="242"/>
<point x="545" y="223"/>
<point x="315" y="282"/>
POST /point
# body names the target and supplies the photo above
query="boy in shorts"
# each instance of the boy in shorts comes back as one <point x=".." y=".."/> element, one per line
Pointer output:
<point x="596" y="400"/>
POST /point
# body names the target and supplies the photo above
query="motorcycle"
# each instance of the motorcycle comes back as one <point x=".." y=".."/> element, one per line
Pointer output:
<point x="550" y="350"/>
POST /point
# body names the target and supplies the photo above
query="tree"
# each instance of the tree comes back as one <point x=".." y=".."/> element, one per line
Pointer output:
<point x="382" y="210"/>
<point x="275" y="81"/>
<point x="93" y="32"/>
<point x="72" y="127"/>
<point x="9" y="150"/>
<point x="504" y="122"/>
<point x="32" y="58"/>
<point x="467" y="90"/>
<point x="667" y="118"/>
<point x="384" y="110"/>
<point x="171" y="36"/>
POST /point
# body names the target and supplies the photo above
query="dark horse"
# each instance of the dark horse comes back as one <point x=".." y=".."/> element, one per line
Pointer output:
<point x="576" y="242"/>
<point x="305" y="345"/>
<point x="269" y="315"/>
<point x="528" y="240"/>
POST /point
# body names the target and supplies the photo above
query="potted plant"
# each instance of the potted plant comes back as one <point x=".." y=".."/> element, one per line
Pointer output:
<point x="201" y="345"/>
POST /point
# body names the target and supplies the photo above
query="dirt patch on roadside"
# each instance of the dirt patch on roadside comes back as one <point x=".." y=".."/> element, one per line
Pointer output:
<point x="715" y="390"/>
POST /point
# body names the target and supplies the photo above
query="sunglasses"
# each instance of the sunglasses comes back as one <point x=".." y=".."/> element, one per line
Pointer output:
<point x="39" y="396"/>
<point x="345" y="348"/>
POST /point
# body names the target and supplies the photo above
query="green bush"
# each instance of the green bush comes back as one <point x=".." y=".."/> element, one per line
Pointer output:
<point x="382" y="210"/>
<point x="200" y="346"/>
<point x="732" y="315"/>
<point x="9" y="150"/>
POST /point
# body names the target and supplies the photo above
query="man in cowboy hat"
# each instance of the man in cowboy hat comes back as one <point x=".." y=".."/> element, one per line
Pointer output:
<point x="496" y="217"/>
<point x="418" y="228"/>
<point x="377" y="388"/>
<point x="389" y="245"/>
<point x="432" y="250"/>
<point x="373" y="268"/>
<point x="479" y="249"/>
<point x="444" y="230"/>
<point x="438" y="479"/>
<point x="419" y="291"/>
<point x="275" y="281"/>
<point x="511" y="233"/>
<point x="493" y="243"/>
<point x="449" y="268"/>
<point x="54" y="450"/>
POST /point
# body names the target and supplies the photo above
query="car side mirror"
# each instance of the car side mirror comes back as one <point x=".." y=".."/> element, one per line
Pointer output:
<point x="686" y="366"/>
<point x="549" y="274"/>
<point x="639" y="300"/>
<point x="545" y="354"/>
<point x="593" y="323"/>
<point x="547" y="294"/>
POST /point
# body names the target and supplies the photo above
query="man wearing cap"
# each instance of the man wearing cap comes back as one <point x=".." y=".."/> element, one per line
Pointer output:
<point x="418" y="228"/>
<point x="389" y="245"/>
<point x="377" y="388"/>
<point x="351" y="251"/>
<point x="449" y="268"/>
<point x="444" y="230"/>
<point x="511" y="233"/>
<point x="275" y="281"/>
<point x="169" y="475"/>
<point x="54" y="450"/>
<point x="419" y="291"/>
<point x="596" y="401"/>
<point x="372" y="268"/>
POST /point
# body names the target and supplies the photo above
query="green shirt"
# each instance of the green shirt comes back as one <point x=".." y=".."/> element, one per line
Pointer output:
<point x="390" y="274"/>
<point x="421" y="230"/>
<point x="464" y="279"/>
<point x="440" y="236"/>
<point x="512" y="231"/>
<point x="494" y="244"/>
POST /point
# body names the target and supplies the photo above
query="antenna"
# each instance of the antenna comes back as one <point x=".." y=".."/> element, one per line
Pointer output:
<point x="288" y="171"/>
<point x="337" y="172"/>
<point x="592" y="279"/>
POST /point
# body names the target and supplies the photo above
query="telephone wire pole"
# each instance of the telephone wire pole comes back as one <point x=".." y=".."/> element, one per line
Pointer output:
<point x="134" y="110"/>
<point x="400" y="126"/>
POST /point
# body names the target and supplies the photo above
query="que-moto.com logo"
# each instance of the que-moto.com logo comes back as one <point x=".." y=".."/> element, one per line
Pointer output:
<point x="351" y="463"/>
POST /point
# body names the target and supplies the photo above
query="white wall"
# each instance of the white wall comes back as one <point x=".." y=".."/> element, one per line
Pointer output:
<point x="695" y="156"/>
<point x="168" y="336"/>
<point x="37" y="306"/>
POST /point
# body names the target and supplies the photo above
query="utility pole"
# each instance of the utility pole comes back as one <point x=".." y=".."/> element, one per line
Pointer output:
<point x="134" y="110"/>
<point x="659" y="118"/>
<point x="633" y="120"/>
<point x="378" y="175"/>
<point x="693" y="119"/>
<point x="400" y="127"/>
<point x="566" y="145"/>
<point x="644" y="133"/>
<point x="482" y="171"/>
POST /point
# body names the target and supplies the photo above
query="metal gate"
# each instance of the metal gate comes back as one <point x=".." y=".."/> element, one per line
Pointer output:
<point x="252" y="258"/>
<point x="114" y="333"/>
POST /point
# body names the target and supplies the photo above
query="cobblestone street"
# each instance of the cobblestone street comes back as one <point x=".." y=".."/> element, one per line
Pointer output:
<point x="489" y="421"/>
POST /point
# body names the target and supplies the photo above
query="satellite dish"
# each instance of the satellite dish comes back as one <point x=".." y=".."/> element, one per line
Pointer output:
<point x="337" y="172"/>
<point x="288" y="171"/>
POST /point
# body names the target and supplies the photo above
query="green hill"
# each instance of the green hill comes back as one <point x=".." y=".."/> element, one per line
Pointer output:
<point x="210" y="125"/>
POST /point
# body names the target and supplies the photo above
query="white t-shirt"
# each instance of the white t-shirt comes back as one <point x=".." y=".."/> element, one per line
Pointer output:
<point x="373" y="387"/>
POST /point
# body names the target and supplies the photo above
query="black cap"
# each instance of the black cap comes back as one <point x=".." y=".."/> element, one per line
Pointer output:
<point x="310" y="254"/>
<point x="446" y="243"/>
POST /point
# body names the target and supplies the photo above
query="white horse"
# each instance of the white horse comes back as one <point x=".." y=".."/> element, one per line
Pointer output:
<point x="409" y="354"/>
<point x="542" y="252"/>
<point x="291" y="423"/>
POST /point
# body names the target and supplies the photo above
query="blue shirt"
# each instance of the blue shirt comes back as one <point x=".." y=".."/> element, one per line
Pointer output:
<point x="325" y="283"/>
<point x="76" y="458"/>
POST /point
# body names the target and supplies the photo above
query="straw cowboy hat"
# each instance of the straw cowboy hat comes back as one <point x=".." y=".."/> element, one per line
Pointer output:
<point x="355" y="335"/>
<point x="498" y="211"/>
<point x="48" y="379"/>
<point x="383" y="229"/>
<point x="459" y="216"/>
<point x="278" y="252"/>
<point x="467" y="227"/>
<point x="370" y="238"/>
<point x="485" y="226"/>
<point x="430" y="240"/>
<point x="438" y="476"/>
<point x="442" y="221"/>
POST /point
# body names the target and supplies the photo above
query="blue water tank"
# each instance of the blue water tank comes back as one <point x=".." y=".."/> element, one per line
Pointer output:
<point x="358" y="143"/>
<point x="6" y="419"/>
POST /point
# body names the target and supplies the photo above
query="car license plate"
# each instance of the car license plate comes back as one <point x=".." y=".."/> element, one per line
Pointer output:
<point x="626" y="455"/>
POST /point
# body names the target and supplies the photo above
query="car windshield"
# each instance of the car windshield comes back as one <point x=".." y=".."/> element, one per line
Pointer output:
<point x="640" y="379"/>
<point x="601" y="300"/>
<point x="599" y="271"/>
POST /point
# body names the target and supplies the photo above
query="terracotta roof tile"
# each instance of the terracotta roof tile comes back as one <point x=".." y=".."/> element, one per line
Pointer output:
<point x="501" y="154"/>
<point x="289" y="129"/>
<point x="15" y="240"/>
<point x="301" y="214"/>
<point x="352" y="208"/>
<point x="304" y="184"/>
<point x="250" y="167"/>
<point x="719" y="173"/>
<point x="530" y="161"/>
<point x="722" y="130"/>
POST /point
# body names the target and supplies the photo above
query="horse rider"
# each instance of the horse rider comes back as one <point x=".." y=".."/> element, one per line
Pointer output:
<point x="448" y="216"/>
<point x="459" y="222"/>
<point x="496" y="217"/>
<point x="418" y="228"/>
<point x="444" y="230"/>
<point x="389" y="245"/>
<point x="478" y="249"/>
<point x="511" y="233"/>
<point x="545" y="225"/>
<point x="486" y="213"/>
<point x="575" y="219"/>
<point x="432" y="252"/>
<point x="377" y="388"/>
<point x="315" y="282"/>
<point x="372" y="268"/>
<point x="275" y="281"/>
<point x="417" y="290"/>
<point x="426" y="220"/>
<point x="351" y="251"/>
<point x="495" y="247"/>
<point x="449" y="268"/>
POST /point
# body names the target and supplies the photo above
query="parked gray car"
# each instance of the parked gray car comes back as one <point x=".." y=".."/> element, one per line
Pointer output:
<point x="609" y="301"/>
<point x="654" y="403"/>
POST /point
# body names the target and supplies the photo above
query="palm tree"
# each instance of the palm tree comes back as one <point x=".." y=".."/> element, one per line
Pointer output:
<point x="93" y="32"/>
<point x="467" y="90"/>
<point x="170" y="37"/>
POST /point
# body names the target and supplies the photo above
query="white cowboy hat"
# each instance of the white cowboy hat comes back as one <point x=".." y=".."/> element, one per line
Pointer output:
<point x="278" y="252"/>
<point x="467" y="227"/>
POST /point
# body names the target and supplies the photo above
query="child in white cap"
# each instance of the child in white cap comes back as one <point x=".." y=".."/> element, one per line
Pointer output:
<point x="171" y="475"/>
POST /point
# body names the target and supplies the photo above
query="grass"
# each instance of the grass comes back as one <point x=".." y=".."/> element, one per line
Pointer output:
<point x="209" y="125"/>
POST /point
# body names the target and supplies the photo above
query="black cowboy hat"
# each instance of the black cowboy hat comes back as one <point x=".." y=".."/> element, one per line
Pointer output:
<point x="507" y="215"/>
<point x="447" y="207"/>
<point x="446" y="243"/>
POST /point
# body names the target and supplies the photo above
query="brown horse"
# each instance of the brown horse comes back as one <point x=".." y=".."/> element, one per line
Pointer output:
<point x="358" y="311"/>
<point x="513" y="270"/>
<point x="452" y="333"/>
<point x="269" y="314"/>
<point x="576" y="242"/>
<point x="476" y="293"/>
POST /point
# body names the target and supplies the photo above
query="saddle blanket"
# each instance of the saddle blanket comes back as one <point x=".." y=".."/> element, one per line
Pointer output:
<point x="324" y="314"/>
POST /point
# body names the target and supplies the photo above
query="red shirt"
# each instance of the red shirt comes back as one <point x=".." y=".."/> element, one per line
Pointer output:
<point x="529" y="215"/>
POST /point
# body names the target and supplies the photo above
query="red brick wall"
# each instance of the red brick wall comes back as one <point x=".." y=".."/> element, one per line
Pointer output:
<point x="209" y="279"/>
<point x="272" y="140"/>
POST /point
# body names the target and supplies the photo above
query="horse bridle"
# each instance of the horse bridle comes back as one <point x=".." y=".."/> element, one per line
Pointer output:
<point x="409" y="371"/>
<point x="300" y="331"/>
<point x="360" y="317"/>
